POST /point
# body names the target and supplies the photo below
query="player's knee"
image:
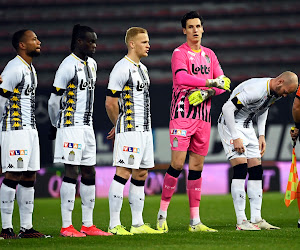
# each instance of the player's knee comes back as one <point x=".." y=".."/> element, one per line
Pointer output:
<point x="240" y="171"/>
<point x="88" y="172"/>
<point x="177" y="165"/>
<point x="15" y="176"/>
<point x="140" y="174"/>
<point x="71" y="171"/>
<point x="255" y="173"/>
<point x="28" y="176"/>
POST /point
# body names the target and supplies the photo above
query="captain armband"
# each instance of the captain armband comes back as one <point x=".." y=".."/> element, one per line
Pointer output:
<point x="58" y="91"/>
<point x="5" y="93"/>
<point x="113" y="93"/>
<point x="237" y="103"/>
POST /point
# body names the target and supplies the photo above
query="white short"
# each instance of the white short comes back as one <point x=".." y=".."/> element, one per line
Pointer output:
<point x="75" y="146"/>
<point x="249" y="138"/>
<point x="134" y="150"/>
<point x="20" y="150"/>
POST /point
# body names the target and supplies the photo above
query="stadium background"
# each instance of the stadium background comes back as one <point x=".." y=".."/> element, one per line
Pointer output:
<point x="250" y="38"/>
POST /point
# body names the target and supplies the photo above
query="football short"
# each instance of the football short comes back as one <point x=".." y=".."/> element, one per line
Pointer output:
<point x="190" y="135"/>
<point x="75" y="146"/>
<point x="133" y="150"/>
<point x="20" y="150"/>
<point x="249" y="138"/>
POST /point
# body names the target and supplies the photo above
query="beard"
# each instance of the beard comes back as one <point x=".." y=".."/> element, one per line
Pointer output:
<point x="34" y="53"/>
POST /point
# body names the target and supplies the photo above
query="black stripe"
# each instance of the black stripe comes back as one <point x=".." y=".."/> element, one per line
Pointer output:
<point x="298" y="97"/>
<point x="180" y="70"/>
<point x="110" y="93"/>
<point x="6" y="94"/>
<point x="58" y="91"/>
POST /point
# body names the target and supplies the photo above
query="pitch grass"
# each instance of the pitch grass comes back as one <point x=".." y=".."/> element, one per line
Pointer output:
<point x="216" y="212"/>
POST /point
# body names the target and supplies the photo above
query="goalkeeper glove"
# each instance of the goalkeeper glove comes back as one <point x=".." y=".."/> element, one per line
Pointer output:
<point x="221" y="82"/>
<point x="198" y="97"/>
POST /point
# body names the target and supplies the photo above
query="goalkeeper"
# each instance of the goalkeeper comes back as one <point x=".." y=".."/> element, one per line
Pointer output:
<point x="197" y="75"/>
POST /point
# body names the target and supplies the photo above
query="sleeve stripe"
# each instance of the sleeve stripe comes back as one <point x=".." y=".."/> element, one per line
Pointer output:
<point x="237" y="103"/>
<point x="113" y="93"/>
<point x="180" y="70"/>
<point x="58" y="91"/>
<point x="5" y="93"/>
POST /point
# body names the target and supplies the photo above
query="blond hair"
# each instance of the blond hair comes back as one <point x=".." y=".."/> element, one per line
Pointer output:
<point x="132" y="32"/>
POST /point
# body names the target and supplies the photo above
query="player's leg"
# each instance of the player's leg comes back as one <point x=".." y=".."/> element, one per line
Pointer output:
<point x="88" y="195"/>
<point x="7" y="194"/>
<point x="115" y="197"/>
<point x="255" y="193"/>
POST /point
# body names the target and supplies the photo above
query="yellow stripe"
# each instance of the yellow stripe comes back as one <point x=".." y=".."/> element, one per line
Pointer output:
<point x="127" y="58"/>
<point x="268" y="83"/>
<point x="76" y="57"/>
<point x="196" y="51"/>
<point x="23" y="61"/>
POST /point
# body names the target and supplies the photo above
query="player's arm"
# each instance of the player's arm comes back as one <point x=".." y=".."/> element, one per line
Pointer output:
<point x="228" y="110"/>
<point x="112" y="109"/>
<point x="4" y="95"/>
<point x="261" y="125"/>
<point x="296" y="116"/>
<point x="180" y="69"/>
<point x="54" y="105"/>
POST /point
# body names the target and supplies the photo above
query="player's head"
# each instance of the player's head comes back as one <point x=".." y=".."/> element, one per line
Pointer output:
<point x="26" y="41"/>
<point x="284" y="84"/>
<point x="137" y="41"/>
<point x="192" y="26"/>
<point x="83" y="40"/>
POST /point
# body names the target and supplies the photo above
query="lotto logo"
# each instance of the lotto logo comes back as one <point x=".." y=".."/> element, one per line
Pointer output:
<point x="131" y="149"/>
<point x="72" y="145"/>
<point x="18" y="152"/>
<point x="178" y="132"/>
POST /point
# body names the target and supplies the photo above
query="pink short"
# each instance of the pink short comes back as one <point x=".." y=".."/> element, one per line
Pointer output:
<point x="190" y="135"/>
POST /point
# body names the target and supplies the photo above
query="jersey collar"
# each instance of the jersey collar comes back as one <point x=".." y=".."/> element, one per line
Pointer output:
<point x="127" y="58"/>
<point x="23" y="61"/>
<point x="79" y="59"/>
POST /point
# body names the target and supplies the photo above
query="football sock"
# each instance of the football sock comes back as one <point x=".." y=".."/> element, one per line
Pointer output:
<point x="7" y="194"/>
<point x="115" y="197"/>
<point x="168" y="188"/>
<point x="67" y="197"/>
<point x="87" y="194"/>
<point x="194" y="184"/>
<point x="25" y="198"/>
<point x="136" y="200"/>
<point x="239" y="199"/>
<point x="254" y="190"/>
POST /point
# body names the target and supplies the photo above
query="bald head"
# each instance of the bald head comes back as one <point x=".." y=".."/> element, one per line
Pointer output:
<point x="284" y="84"/>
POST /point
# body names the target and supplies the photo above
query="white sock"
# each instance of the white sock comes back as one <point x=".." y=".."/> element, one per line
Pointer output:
<point x="162" y="214"/>
<point x="136" y="200"/>
<point x="239" y="199"/>
<point x="25" y="198"/>
<point x="87" y="194"/>
<point x="67" y="197"/>
<point x="254" y="191"/>
<point x="7" y="197"/>
<point x="115" y="197"/>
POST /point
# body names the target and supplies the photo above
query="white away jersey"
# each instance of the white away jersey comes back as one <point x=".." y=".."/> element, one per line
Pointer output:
<point x="133" y="81"/>
<point x="19" y="78"/>
<point x="255" y="96"/>
<point x="78" y="79"/>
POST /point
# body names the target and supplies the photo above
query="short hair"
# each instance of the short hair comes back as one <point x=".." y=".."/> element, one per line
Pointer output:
<point x="190" y="15"/>
<point x="79" y="32"/>
<point x="132" y="32"/>
<point x="17" y="37"/>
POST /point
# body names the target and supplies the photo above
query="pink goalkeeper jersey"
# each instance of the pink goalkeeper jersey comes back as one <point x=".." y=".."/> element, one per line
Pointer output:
<point x="202" y="64"/>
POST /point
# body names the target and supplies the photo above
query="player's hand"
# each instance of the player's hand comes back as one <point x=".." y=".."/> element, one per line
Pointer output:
<point x="262" y="145"/>
<point x="221" y="82"/>
<point x="1" y="79"/>
<point x="238" y="145"/>
<point x="198" y="97"/>
<point x="52" y="133"/>
<point x="111" y="134"/>
<point x="294" y="132"/>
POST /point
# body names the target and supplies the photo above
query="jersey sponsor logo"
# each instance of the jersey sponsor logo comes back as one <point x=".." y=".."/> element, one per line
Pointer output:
<point x="18" y="152"/>
<point x="72" y="145"/>
<point x="140" y="86"/>
<point x="89" y="84"/>
<point x="131" y="149"/>
<point x="29" y="90"/>
<point x="204" y="70"/>
<point x="178" y="132"/>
